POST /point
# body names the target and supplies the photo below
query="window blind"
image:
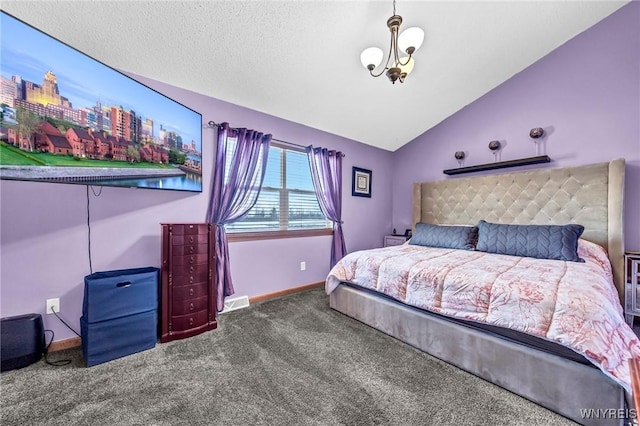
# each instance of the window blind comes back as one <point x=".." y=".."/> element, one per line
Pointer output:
<point x="287" y="200"/>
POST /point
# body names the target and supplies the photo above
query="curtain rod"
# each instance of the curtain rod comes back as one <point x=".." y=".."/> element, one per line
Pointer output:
<point x="214" y="124"/>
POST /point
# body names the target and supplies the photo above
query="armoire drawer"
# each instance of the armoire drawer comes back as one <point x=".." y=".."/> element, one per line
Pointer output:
<point x="189" y="306"/>
<point x="189" y="229"/>
<point x="186" y="250"/>
<point x="185" y="322"/>
<point x="180" y="294"/>
<point x="180" y="240"/>
<point x="191" y="259"/>
<point x="190" y="275"/>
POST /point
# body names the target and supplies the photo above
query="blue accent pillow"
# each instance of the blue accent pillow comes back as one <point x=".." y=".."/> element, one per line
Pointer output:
<point x="559" y="242"/>
<point x="444" y="236"/>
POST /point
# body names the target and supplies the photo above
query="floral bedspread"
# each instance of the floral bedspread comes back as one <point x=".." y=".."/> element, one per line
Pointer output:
<point x="569" y="303"/>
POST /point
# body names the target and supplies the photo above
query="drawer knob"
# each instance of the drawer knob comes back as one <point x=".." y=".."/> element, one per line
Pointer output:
<point x="191" y="259"/>
<point x="191" y="306"/>
<point x="191" y="279"/>
<point x="191" y="250"/>
<point x="190" y="321"/>
<point x="190" y="292"/>
<point x="190" y="239"/>
<point x="190" y="268"/>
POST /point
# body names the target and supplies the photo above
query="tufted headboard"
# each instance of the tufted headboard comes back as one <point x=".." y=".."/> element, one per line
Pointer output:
<point x="590" y="195"/>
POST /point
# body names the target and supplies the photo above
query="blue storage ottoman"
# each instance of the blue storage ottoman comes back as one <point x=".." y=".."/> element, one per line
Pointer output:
<point x="119" y="313"/>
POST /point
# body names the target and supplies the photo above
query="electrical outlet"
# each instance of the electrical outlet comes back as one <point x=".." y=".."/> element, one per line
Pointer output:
<point x="303" y="266"/>
<point x="53" y="305"/>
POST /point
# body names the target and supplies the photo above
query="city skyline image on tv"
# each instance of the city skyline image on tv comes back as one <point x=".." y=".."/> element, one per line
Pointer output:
<point x="69" y="118"/>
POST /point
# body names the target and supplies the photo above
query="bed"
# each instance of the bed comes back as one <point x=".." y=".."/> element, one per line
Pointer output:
<point x="546" y="371"/>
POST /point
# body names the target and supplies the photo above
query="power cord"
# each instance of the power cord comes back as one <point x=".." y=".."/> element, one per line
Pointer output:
<point x="46" y="350"/>
<point x="57" y="363"/>
<point x="62" y="321"/>
<point x="89" y="222"/>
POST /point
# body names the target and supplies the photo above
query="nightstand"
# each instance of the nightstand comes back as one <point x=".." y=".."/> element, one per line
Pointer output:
<point x="395" y="240"/>
<point x="631" y="286"/>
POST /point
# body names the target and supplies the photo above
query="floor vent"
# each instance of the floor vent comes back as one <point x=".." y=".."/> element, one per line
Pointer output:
<point x="235" y="303"/>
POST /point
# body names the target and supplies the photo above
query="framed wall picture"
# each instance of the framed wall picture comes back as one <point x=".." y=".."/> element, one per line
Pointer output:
<point x="361" y="182"/>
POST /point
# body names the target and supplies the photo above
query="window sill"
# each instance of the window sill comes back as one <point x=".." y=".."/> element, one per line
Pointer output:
<point x="274" y="235"/>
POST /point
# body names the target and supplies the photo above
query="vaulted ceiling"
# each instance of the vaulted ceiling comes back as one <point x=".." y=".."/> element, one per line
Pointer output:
<point x="300" y="60"/>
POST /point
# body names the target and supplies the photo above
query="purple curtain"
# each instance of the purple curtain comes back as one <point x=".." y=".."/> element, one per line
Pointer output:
<point x="326" y="172"/>
<point x="241" y="161"/>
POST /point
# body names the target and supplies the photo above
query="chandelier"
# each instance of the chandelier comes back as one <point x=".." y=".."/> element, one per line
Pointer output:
<point x="396" y="67"/>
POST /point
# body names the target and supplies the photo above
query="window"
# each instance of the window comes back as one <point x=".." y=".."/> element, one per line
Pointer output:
<point x="287" y="200"/>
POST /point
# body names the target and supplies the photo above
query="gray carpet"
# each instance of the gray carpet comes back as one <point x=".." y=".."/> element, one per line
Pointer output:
<point x="288" y="361"/>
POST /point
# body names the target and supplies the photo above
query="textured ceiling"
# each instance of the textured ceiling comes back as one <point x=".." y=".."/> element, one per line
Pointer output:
<point x="300" y="60"/>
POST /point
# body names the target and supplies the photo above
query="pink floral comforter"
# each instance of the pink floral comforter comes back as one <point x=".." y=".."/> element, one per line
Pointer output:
<point x="573" y="304"/>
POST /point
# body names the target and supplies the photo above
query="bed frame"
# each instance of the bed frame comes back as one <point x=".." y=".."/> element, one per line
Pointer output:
<point x="591" y="195"/>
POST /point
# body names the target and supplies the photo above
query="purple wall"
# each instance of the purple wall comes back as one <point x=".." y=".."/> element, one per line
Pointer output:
<point x="585" y="94"/>
<point x="44" y="233"/>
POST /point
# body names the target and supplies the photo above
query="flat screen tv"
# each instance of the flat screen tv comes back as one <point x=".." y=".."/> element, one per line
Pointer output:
<point x="68" y="118"/>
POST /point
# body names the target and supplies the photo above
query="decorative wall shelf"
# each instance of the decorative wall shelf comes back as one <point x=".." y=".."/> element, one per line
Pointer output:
<point x="499" y="165"/>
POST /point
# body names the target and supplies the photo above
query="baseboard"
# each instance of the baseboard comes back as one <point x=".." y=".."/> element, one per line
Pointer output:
<point x="280" y="293"/>
<point x="60" y="345"/>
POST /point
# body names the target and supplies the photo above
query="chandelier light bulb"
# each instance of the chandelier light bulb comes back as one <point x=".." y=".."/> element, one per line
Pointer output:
<point x="408" y="67"/>
<point x="371" y="57"/>
<point x="411" y="38"/>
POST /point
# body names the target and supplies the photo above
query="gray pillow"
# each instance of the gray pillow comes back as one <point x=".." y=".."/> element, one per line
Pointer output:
<point x="454" y="237"/>
<point x="559" y="242"/>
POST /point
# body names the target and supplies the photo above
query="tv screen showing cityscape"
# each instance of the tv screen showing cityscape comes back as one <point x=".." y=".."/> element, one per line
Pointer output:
<point x="68" y="118"/>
